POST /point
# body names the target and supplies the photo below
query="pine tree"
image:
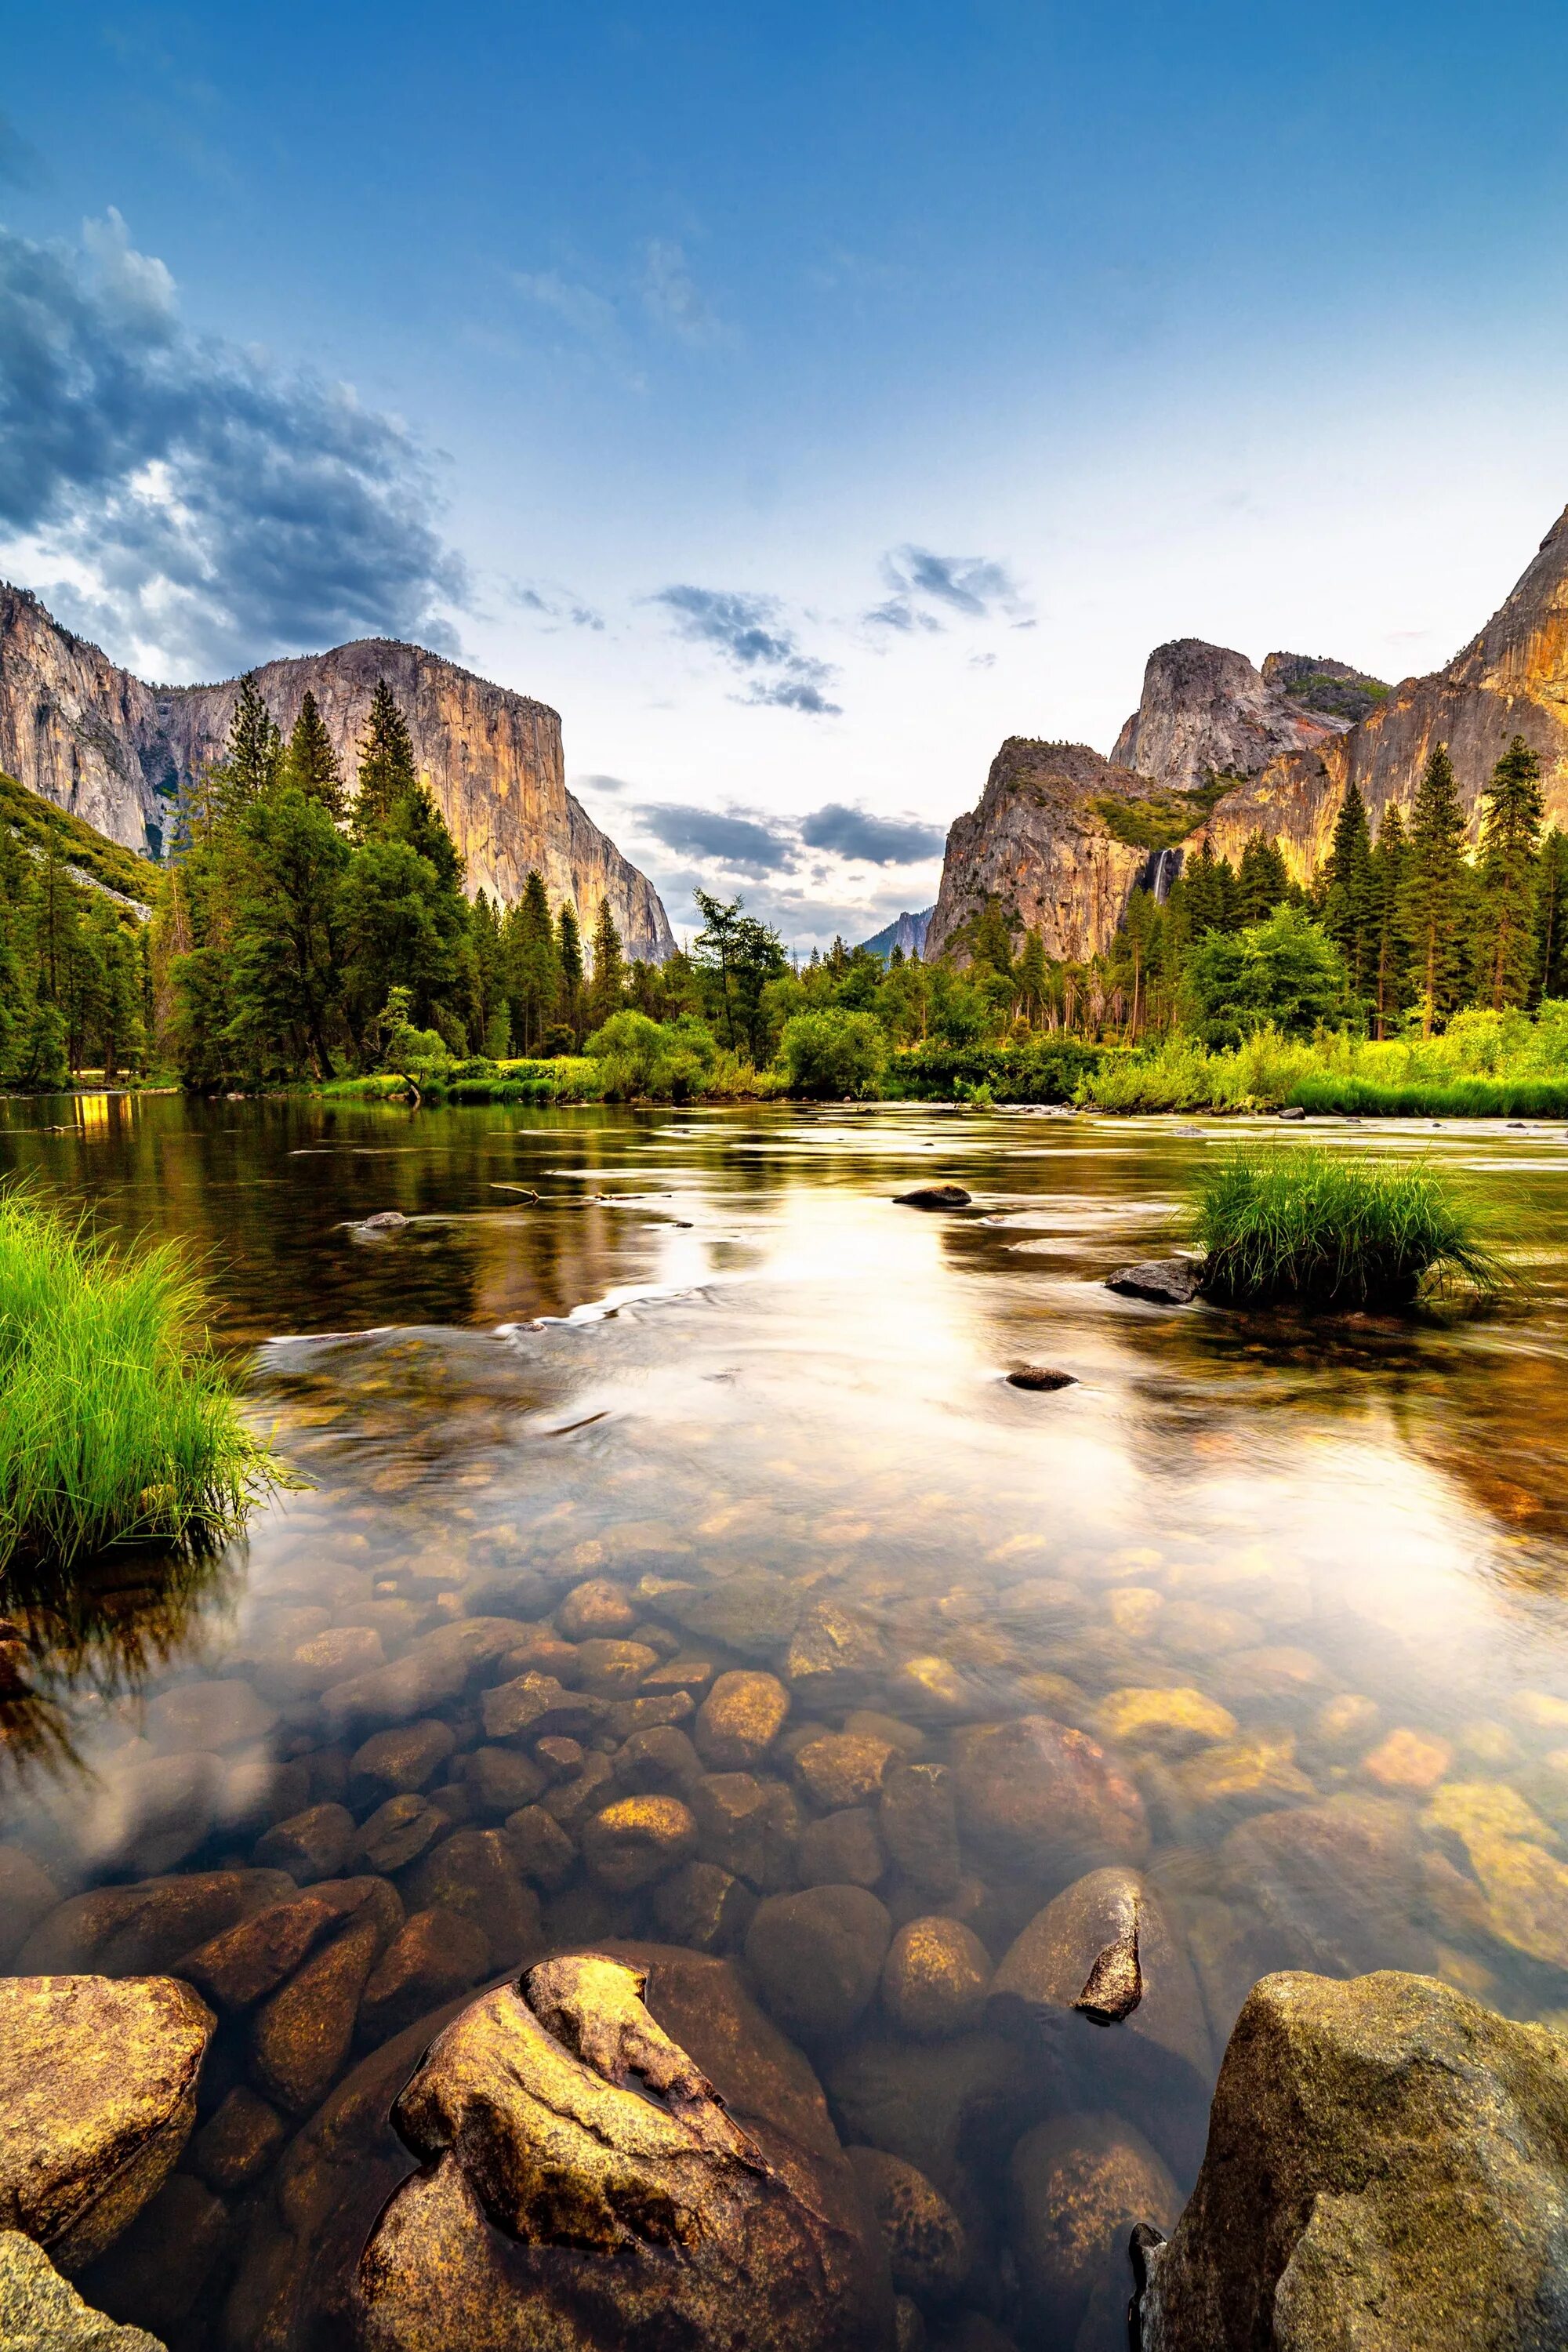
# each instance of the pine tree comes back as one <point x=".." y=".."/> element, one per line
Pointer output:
<point x="1433" y="899"/>
<point x="1510" y="833"/>
<point x="1204" y="894"/>
<point x="253" y="761"/>
<point x="311" y="765"/>
<point x="1031" y="977"/>
<point x="533" y="967"/>
<point x="1390" y="955"/>
<point x="1262" y="879"/>
<point x="606" y="992"/>
<point x="494" y="1017"/>
<point x="1347" y="890"/>
<point x="1551" y="917"/>
<point x="386" y="772"/>
<point x="569" y="951"/>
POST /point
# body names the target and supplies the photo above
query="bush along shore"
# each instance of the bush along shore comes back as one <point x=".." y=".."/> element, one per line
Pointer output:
<point x="116" y="1423"/>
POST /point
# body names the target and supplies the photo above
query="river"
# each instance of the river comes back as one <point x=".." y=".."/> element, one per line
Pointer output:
<point x="1304" y="1584"/>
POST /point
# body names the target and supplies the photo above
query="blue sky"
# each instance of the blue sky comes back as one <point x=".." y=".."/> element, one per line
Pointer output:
<point x="801" y="400"/>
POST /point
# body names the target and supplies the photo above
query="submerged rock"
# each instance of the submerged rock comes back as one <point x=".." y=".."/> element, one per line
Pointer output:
<point x="1077" y="2185"/>
<point x="1166" y="1281"/>
<point x="1043" y="1798"/>
<point x="562" y="2202"/>
<point x="817" y="1956"/>
<point x="98" y="2096"/>
<point x="1388" y="2168"/>
<point x="41" y="2312"/>
<point x="926" y="2241"/>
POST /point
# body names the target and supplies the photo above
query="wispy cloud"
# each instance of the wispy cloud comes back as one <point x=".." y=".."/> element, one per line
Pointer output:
<point x="929" y="590"/>
<point x="749" y="633"/>
<point x="856" y="834"/>
<point x="21" y="166"/>
<point x="556" y="606"/>
<point x="672" y="299"/>
<point x="209" y="510"/>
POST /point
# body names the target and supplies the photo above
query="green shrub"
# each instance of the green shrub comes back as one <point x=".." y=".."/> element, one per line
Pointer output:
<point x="116" y="1422"/>
<point x="640" y="1059"/>
<point x="1328" y="1228"/>
<point x="834" y="1053"/>
<point x="1045" y="1070"/>
<point x="1281" y="974"/>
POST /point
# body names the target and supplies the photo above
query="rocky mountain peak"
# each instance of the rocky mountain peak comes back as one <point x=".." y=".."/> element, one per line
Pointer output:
<point x="1332" y="688"/>
<point x="1207" y="711"/>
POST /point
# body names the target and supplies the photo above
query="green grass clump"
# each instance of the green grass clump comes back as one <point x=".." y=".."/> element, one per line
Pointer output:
<point x="117" y="1423"/>
<point x="1329" y="1229"/>
<point x="1460" y="1098"/>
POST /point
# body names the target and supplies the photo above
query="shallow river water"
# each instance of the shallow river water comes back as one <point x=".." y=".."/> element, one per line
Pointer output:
<point x="1267" y="1619"/>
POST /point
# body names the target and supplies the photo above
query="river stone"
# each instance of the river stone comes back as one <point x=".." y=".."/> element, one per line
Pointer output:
<point x="300" y="2038"/>
<point x="536" y="1706"/>
<point x="157" y="1809"/>
<point x="437" y="1670"/>
<point x="749" y="1827"/>
<point x="208" y="1716"/>
<point x="586" y="1791"/>
<point x="1076" y="2187"/>
<point x="596" y="1609"/>
<point x="1172" y="1722"/>
<point x="1387" y="2169"/>
<point x="1166" y="1281"/>
<point x="704" y="1907"/>
<point x="41" y="2312"/>
<point x="935" y="1978"/>
<point x="397" y="1833"/>
<point x="835" y="1657"/>
<point x="540" y="1848"/>
<point x="241" y="1965"/>
<point x="919" y="1821"/>
<point x="394" y="1763"/>
<point x="1043" y="1799"/>
<point x="1046" y="1985"/>
<point x="636" y="1840"/>
<point x="739" y="1720"/>
<point x="817" y="1956"/>
<point x="139" y="1930"/>
<point x="842" y="1767"/>
<point x="238" y="2142"/>
<point x="158" y="2269"/>
<point x="313" y="1845"/>
<point x="934" y="1196"/>
<point x="28" y="1895"/>
<point x="657" y="1759"/>
<point x="608" y="1669"/>
<point x="775" y="2249"/>
<point x="1339" y="1885"/>
<point x="474" y="1872"/>
<point x="98" y="2096"/>
<point x="944" y="2106"/>
<point x="753" y="1613"/>
<point x="500" y="1781"/>
<point x="313" y="1666"/>
<point x="842" y="1849"/>
<point x="435" y="1954"/>
<point x="927" y="2243"/>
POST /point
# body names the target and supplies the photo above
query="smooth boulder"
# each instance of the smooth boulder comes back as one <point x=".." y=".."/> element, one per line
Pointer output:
<point x="1387" y="2169"/>
<point x="1040" y="1798"/>
<point x="1163" y="1281"/>
<point x="42" y="2311"/>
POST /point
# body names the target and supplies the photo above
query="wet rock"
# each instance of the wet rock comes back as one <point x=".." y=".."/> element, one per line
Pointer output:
<point x="1043" y="1798"/>
<point x="316" y="1663"/>
<point x="752" y="1613"/>
<point x="608" y="1669"/>
<point x="500" y="1781"/>
<point x="869" y="1723"/>
<point x="1165" y="1281"/>
<point x="739" y="1720"/>
<point x="158" y="1810"/>
<point x="817" y="1956"/>
<point x="703" y="1907"/>
<point x="1280" y="1671"/>
<point x="208" y="1718"/>
<point x="596" y="1609"/>
<point x="300" y="2038"/>
<point x="435" y="1954"/>
<point x="1387" y="2167"/>
<point x="1041" y="1378"/>
<point x="1171" y="1722"/>
<point x="397" y="1833"/>
<point x="157" y="2270"/>
<point x="1339" y="1885"/>
<point x="437" y="1670"/>
<point x="121" y="1931"/>
<point x="98" y="2096"/>
<point x="539" y="1847"/>
<point x="395" y="1763"/>
<point x="1519" y="1893"/>
<point x="1244" y="1774"/>
<point x="835" y="1657"/>
<point x="314" y="1844"/>
<point x="241" y="1965"/>
<point x="661" y="1759"/>
<point x="239" y="2143"/>
<point x="934" y="1196"/>
<point x="949" y="2108"/>
<point x="42" y="2311"/>
<point x="842" y="1767"/>
<point x="909" y="2325"/>
<point x="749" y="1827"/>
<point x="624" y="1718"/>
<point x="474" y="1873"/>
<point x="842" y="1849"/>
<point x="771" y="2253"/>
<point x="385" y="1220"/>
<point x="583" y="1794"/>
<point x="927" y="2245"/>
<point x="936" y="1979"/>
<point x="1195" y="1629"/>
<point x="678" y="1674"/>
<point x="1408" y="1762"/>
<point x="636" y="1840"/>
<point x="1345" y="1723"/>
<point x="558" y="1759"/>
<point x="28" y="1895"/>
<point x="536" y="1706"/>
<point x="1076" y="2187"/>
<point x="918" y="1820"/>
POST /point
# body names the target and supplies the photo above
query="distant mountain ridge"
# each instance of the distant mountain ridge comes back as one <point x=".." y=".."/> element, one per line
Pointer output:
<point x="907" y="932"/>
<point x="111" y="749"/>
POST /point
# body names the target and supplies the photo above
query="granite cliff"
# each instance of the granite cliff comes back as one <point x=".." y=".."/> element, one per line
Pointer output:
<point x="1206" y="711"/>
<point x="112" y="749"/>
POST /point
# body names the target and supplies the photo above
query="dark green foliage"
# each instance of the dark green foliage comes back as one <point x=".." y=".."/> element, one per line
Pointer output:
<point x="387" y="772"/>
<point x="71" y="969"/>
<point x="737" y="957"/>
<point x="532" y="964"/>
<point x="1510" y="834"/>
<point x="608" y="988"/>
<point x="1551" y="973"/>
<point x="568" y="1007"/>
<point x="311" y="765"/>
<point x="1211" y="895"/>
<point x="1433" y="901"/>
<point x="1262" y="879"/>
<point x="1389" y="948"/>
<point x="1349" y="910"/>
<point x="834" y="1052"/>
<point x="1281" y="974"/>
<point x="1046" y="1070"/>
<point x="1327" y="1229"/>
<point x="1160" y="819"/>
<point x="254" y="760"/>
<point x="26" y="819"/>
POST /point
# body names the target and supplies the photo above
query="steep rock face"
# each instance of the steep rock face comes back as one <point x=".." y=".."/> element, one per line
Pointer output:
<point x="99" y="743"/>
<point x="1511" y="680"/>
<point x="907" y="934"/>
<point x="1332" y="688"/>
<point x="1206" y="711"/>
<point x="1039" y="845"/>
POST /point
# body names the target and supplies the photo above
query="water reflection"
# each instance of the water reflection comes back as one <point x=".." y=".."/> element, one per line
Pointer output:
<point x="1303" y="1583"/>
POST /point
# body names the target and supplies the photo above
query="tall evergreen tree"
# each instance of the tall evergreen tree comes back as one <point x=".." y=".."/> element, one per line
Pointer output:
<point x="387" y="772"/>
<point x="1347" y="890"/>
<point x="287" y="946"/>
<point x="1551" y="918"/>
<point x="606" y="989"/>
<point x="569" y="952"/>
<point x="1510" y="834"/>
<point x="1031" y="975"/>
<point x="1433" y="896"/>
<point x="1262" y="879"/>
<point x="311" y="765"/>
<point x="1389" y="956"/>
<point x="494" y="1022"/>
<point x="533" y="967"/>
<point x="253" y="758"/>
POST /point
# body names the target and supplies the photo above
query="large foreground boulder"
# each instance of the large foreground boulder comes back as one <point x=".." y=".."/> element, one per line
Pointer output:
<point x="41" y="2312"/>
<point x="98" y="2096"/>
<point x="1387" y="2171"/>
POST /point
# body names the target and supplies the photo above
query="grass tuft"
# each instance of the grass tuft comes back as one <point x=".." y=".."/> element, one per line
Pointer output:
<point x="1328" y="1228"/>
<point x="116" y="1423"/>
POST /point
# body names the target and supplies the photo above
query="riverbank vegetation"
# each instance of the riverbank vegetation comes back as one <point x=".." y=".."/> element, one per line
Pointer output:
<point x="1325" y="1229"/>
<point x="116" y="1423"/>
<point x="312" y="932"/>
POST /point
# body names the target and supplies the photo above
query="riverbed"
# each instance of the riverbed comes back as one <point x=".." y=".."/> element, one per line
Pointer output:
<point x="646" y="1398"/>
